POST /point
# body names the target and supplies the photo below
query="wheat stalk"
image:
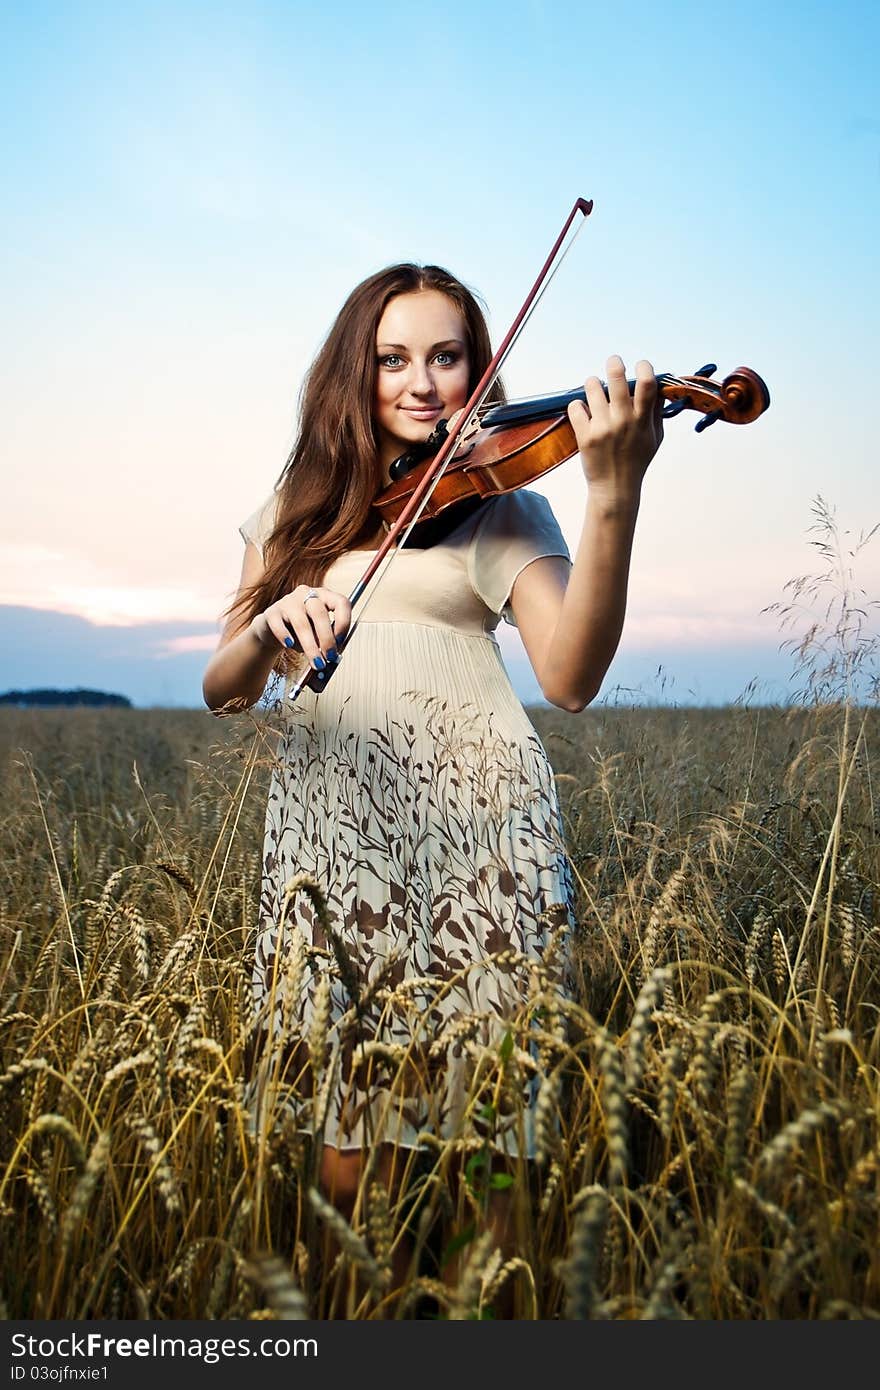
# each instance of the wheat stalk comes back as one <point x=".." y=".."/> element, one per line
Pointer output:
<point x="274" y="1278"/>
<point x="579" y="1271"/>
<point x="350" y="1243"/>
<point x="82" y="1193"/>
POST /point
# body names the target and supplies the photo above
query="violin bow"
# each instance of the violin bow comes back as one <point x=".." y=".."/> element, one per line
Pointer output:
<point x="409" y="516"/>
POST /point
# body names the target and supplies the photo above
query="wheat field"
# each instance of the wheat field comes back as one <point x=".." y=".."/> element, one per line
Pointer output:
<point x="708" y="1107"/>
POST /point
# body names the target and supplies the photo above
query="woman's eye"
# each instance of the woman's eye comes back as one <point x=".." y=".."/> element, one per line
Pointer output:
<point x="391" y="359"/>
<point x="450" y="359"/>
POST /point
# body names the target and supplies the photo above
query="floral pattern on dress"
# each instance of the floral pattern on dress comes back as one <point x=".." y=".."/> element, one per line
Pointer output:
<point x="435" y="837"/>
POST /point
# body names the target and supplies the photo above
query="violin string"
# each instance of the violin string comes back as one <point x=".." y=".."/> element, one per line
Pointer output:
<point x="663" y="378"/>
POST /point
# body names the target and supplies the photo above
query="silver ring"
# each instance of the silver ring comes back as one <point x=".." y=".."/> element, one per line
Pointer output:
<point x="313" y="593"/>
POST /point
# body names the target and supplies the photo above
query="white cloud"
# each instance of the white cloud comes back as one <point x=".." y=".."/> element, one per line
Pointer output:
<point x="685" y="630"/>
<point x="173" y="646"/>
<point x="36" y="576"/>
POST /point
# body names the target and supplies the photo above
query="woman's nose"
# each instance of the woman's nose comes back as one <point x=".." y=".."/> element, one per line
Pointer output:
<point x="421" y="383"/>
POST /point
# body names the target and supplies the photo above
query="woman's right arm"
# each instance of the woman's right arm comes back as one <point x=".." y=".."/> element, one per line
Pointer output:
<point x="240" y="667"/>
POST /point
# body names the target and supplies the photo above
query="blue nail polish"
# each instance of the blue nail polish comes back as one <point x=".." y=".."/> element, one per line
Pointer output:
<point x="288" y="641"/>
<point x="319" y="663"/>
<point x="333" y="655"/>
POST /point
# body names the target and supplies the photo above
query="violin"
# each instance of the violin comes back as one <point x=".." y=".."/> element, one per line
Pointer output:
<point x="509" y="446"/>
<point x="490" y="449"/>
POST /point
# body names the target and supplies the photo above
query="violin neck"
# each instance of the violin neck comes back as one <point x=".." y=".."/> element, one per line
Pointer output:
<point x="544" y="407"/>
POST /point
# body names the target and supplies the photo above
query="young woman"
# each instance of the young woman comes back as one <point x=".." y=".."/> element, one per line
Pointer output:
<point x="413" y="788"/>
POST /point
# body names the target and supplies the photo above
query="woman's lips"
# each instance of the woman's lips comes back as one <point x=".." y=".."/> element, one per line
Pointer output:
<point x="421" y="412"/>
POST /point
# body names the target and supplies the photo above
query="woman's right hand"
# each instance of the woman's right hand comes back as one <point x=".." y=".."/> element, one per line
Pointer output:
<point x="317" y="618"/>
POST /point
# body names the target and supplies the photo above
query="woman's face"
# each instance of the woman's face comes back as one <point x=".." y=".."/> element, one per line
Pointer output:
<point x="423" y="369"/>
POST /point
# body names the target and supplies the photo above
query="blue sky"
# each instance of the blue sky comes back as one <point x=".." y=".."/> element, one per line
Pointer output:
<point x="192" y="190"/>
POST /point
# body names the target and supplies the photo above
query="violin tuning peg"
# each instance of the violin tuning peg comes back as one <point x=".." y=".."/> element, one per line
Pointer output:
<point x="674" y="408"/>
<point x="708" y="420"/>
<point x="709" y="369"/>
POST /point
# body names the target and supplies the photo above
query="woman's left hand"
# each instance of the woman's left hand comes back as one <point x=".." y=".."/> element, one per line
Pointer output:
<point x="619" y="435"/>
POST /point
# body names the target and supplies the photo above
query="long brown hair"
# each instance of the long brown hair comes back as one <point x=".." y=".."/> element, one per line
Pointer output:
<point x="327" y="486"/>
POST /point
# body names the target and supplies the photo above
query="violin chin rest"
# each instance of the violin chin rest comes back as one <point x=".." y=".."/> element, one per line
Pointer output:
<point x="419" y="452"/>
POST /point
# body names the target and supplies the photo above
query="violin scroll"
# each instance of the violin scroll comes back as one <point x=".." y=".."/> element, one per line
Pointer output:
<point x="740" y="398"/>
<point x="746" y="395"/>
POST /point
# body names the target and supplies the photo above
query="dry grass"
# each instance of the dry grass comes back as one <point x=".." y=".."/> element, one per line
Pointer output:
<point x="708" y="1123"/>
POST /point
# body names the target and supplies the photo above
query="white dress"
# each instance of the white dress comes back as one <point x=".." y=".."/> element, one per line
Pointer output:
<point x="418" y="795"/>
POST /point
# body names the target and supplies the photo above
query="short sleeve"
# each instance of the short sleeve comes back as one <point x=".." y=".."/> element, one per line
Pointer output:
<point x="518" y="527"/>
<point x="259" y="525"/>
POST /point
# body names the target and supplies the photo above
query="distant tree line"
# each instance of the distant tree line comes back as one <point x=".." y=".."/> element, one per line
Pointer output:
<point x="63" y="697"/>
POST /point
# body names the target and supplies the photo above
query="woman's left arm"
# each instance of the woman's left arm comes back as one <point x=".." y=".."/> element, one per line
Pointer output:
<point x="571" y="623"/>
